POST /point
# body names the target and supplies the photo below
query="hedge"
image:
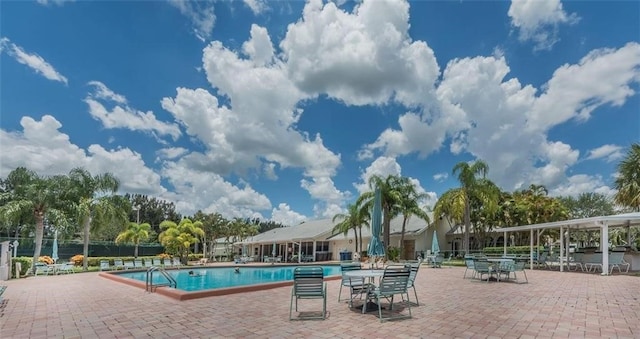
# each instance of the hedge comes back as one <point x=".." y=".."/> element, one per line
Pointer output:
<point x="25" y="263"/>
<point x="510" y="250"/>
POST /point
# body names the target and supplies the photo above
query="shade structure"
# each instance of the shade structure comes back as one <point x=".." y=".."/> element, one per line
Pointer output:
<point x="376" y="249"/>
<point x="435" y="247"/>
<point x="54" y="249"/>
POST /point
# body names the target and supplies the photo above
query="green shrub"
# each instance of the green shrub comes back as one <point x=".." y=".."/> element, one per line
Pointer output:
<point x="394" y="253"/>
<point x="25" y="262"/>
<point x="510" y="250"/>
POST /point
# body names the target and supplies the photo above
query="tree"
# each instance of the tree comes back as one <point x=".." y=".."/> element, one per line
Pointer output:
<point x="97" y="205"/>
<point x="588" y="205"/>
<point x="352" y="220"/>
<point x="471" y="185"/>
<point x="178" y="238"/>
<point x="390" y="196"/>
<point x="628" y="180"/>
<point x="135" y="233"/>
<point x="152" y="210"/>
<point x="409" y="205"/>
<point x="40" y="197"/>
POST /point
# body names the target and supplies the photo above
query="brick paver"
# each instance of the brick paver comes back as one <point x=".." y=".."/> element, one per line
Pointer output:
<point x="552" y="304"/>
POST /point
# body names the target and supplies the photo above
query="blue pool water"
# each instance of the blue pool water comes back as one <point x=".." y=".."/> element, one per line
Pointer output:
<point x="222" y="277"/>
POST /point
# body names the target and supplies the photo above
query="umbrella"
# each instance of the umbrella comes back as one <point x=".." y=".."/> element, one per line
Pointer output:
<point x="435" y="247"/>
<point x="376" y="248"/>
<point x="54" y="250"/>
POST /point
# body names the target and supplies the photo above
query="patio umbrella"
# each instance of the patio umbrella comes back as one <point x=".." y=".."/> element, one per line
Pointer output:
<point x="54" y="250"/>
<point x="435" y="247"/>
<point x="376" y="249"/>
<point x="273" y="251"/>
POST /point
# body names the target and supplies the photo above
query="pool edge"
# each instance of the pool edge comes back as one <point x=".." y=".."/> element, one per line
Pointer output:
<point x="186" y="295"/>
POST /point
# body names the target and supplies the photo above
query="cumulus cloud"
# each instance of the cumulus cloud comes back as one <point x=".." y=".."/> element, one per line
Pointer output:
<point x="31" y="60"/>
<point x="201" y="15"/>
<point x="284" y="215"/>
<point x="41" y="147"/>
<point x="609" y="152"/>
<point x="121" y="115"/>
<point x="440" y="177"/>
<point x="538" y="21"/>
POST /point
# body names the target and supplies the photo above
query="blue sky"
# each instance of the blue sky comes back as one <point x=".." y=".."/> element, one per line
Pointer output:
<point x="283" y="110"/>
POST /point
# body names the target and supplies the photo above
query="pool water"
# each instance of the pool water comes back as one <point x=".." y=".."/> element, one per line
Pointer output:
<point x="223" y="277"/>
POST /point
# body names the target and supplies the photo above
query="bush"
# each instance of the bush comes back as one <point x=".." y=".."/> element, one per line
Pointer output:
<point x="25" y="263"/>
<point x="46" y="259"/>
<point x="394" y="253"/>
<point x="164" y="256"/>
<point x="77" y="259"/>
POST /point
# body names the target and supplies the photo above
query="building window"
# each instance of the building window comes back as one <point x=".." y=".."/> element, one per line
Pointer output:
<point x="322" y="246"/>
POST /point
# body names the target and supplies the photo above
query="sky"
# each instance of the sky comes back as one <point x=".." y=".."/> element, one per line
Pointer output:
<point x="283" y="110"/>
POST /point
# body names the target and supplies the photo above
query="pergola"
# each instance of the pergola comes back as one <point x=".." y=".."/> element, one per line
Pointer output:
<point x="602" y="223"/>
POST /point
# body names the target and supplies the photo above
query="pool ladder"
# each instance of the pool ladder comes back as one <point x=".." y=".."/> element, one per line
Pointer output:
<point x="150" y="286"/>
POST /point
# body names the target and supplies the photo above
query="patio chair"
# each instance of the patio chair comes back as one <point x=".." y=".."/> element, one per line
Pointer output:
<point x="67" y="268"/>
<point x="577" y="261"/>
<point x="176" y="262"/>
<point x="157" y="262"/>
<point x="104" y="265"/>
<point x="148" y="263"/>
<point x="394" y="281"/>
<point x="412" y="278"/>
<point x="469" y="262"/>
<point x="128" y="265"/>
<point x="592" y="261"/>
<point x="137" y="263"/>
<point x="308" y="283"/>
<point x="513" y="267"/>
<point x="356" y="286"/>
<point x="437" y="261"/>
<point x="483" y="267"/>
<point x="616" y="259"/>
<point x="42" y="269"/>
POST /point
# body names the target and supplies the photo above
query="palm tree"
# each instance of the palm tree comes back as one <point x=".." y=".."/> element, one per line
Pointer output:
<point x="178" y="238"/>
<point x="97" y="204"/>
<point x="352" y="220"/>
<point x="390" y="196"/>
<point x="470" y="176"/>
<point x="628" y="180"/>
<point x="409" y="206"/>
<point x="135" y="233"/>
<point x="32" y="196"/>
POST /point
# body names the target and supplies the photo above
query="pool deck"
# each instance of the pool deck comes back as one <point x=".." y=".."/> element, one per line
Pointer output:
<point x="552" y="304"/>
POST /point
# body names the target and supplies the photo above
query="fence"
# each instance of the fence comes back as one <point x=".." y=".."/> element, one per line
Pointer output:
<point x="67" y="249"/>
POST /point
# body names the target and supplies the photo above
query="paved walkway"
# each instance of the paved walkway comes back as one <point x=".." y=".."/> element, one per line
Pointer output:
<point x="553" y="304"/>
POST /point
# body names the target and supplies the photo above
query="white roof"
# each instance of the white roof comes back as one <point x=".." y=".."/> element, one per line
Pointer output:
<point x="617" y="220"/>
<point x="414" y="226"/>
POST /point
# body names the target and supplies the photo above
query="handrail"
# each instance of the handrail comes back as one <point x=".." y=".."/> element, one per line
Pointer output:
<point x="149" y="279"/>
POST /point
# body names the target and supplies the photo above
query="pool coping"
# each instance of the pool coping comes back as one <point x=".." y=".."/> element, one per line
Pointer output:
<point x="188" y="295"/>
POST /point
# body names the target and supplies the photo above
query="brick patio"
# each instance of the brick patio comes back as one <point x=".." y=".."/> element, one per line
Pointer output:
<point x="553" y="304"/>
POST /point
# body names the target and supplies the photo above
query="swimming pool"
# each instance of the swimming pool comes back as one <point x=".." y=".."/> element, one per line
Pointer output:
<point x="208" y="281"/>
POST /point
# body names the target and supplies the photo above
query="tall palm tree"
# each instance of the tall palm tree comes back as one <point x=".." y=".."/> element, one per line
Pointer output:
<point x="409" y="206"/>
<point x="33" y="196"/>
<point x="390" y="198"/>
<point x="135" y="233"/>
<point x="178" y="238"/>
<point x="97" y="204"/>
<point x="352" y="220"/>
<point x="628" y="180"/>
<point x="469" y="176"/>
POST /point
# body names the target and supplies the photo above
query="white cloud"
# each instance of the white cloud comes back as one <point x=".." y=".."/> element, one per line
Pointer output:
<point x="257" y="6"/>
<point x="610" y="152"/>
<point x="506" y="123"/>
<point x="284" y="215"/>
<point x="171" y="152"/>
<point x="576" y="184"/>
<point x="201" y="15"/>
<point x="123" y="116"/>
<point x="382" y="167"/>
<point x="41" y="147"/>
<point x="33" y="61"/>
<point x="440" y="177"/>
<point x="538" y="21"/>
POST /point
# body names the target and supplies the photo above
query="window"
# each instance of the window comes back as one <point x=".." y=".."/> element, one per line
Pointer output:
<point x="322" y="246"/>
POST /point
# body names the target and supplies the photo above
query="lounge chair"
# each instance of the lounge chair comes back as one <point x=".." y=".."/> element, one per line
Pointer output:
<point x="118" y="264"/>
<point x="308" y="283"/>
<point x="104" y="265"/>
<point x="128" y="265"/>
<point x="42" y="269"/>
<point x="138" y="263"/>
<point x="157" y="262"/>
<point x="394" y="281"/>
<point x="616" y="259"/>
<point x="68" y="268"/>
<point x="148" y="263"/>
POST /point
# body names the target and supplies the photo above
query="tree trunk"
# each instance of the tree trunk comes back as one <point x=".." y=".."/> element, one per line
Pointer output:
<point x="135" y="251"/>
<point x="361" y="241"/>
<point x="467" y="224"/>
<point x="386" y="232"/>
<point x="39" y="235"/>
<point x="85" y="248"/>
<point x="355" y="233"/>
<point x="404" y="224"/>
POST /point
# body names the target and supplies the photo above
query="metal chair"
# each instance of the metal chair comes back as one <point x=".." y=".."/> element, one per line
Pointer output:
<point x="308" y="283"/>
<point x="412" y="278"/>
<point x="356" y="286"/>
<point x="394" y="281"/>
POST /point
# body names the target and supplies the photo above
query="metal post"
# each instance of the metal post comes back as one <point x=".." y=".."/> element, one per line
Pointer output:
<point x="531" y="249"/>
<point x="604" y="243"/>
<point x="561" y="247"/>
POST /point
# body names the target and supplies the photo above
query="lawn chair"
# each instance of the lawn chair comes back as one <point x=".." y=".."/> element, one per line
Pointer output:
<point x="157" y="262"/>
<point x="118" y="263"/>
<point x="308" y="283"/>
<point x="67" y="268"/>
<point x="616" y="259"/>
<point x="128" y="265"/>
<point x="104" y="265"/>
<point x="356" y="286"/>
<point x="483" y="267"/>
<point x="469" y="262"/>
<point x="138" y="263"/>
<point x="176" y="262"/>
<point x="42" y="269"/>
<point x="394" y="281"/>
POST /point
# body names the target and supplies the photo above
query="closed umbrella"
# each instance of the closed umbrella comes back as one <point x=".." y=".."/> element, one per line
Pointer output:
<point x="376" y="249"/>
<point x="435" y="247"/>
<point x="54" y="250"/>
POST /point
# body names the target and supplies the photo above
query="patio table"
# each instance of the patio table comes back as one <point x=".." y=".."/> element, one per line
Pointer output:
<point x="371" y="274"/>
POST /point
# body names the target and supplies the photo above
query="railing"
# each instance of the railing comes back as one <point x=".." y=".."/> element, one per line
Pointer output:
<point x="149" y="286"/>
